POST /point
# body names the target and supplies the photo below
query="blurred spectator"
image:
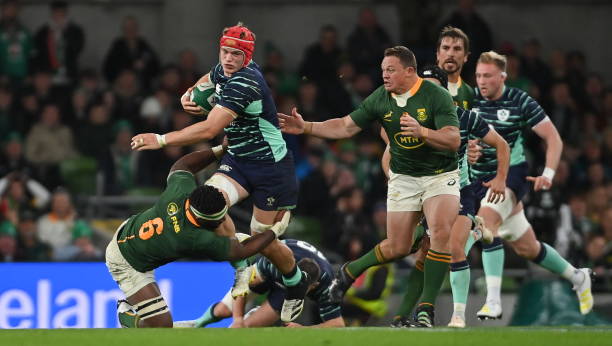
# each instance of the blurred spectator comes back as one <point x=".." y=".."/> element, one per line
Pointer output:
<point x="574" y="230"/>
<point x="286" y="81"/>
<point x="309" y="102"/>
<point x="48" y="143"/>
<point x="8" y="242"/>
<point x="55" y="227"/>
<point x="350" y="222"/>
<point x="467" y="19"/>
<point x="594" y="92"/>
<point x="366" y="45"/>
<point x="321" y="59"/>
<point x="8" y="119"/>
<point x="58" y="45"/>
<point x="78" y="112"/>
<point x="126" y="96"/>
<point x="81" y="248"/>
<point x="558" y="65"/>
<point x="599" y="248"/>
<point x="607" y="147"/>
<point x="29" y="247"/>
<point x="120" y="164"/>
<point x="15" y="44"/>
<point x="20" y="194"/>
<point x="188" y="69"/>
<point x="28" y="112"/>
<point x="515" y="79"/>
<point x="564" y="113"/>
<point x="12" y="158"/>
<point x="170" y="81"/>
<point x="132" y="52"/>
<point x="533" y="66"/>
<point x="576" y="73"/>
<point x="95" y="133"/>
<point x="314" y="199"/>
<point x="45" y="92"/>
<point x="89" y="84"/>
<point x="607" y="108"/>
<point x="155" y="112"/>
<point x="597" y="202"/>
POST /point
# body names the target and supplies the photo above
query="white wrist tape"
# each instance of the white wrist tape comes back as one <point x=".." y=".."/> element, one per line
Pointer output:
<point x="548" y="173"/>
<point x="218" y="151"/>
<point x="161" y="140"/>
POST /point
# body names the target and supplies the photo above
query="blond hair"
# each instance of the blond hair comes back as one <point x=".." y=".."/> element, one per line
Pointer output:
<point x="495" y="58"/>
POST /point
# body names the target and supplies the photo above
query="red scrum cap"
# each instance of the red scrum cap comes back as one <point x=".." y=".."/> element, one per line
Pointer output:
<point x="241" y="38"/>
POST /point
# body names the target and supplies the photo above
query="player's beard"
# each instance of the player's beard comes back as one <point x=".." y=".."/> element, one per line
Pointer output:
<point x="456" y="66"/>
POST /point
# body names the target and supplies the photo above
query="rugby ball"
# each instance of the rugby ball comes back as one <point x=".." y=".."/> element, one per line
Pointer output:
<point x="204" y="96"/>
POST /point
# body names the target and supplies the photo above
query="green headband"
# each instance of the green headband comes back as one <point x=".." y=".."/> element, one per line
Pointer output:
<point x="211" y="217"/>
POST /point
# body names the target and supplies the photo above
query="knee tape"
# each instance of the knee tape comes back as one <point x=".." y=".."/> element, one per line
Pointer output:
<point x="151" y="307"/>
<point x="259" y="227"/>
<point x="504" y="208"/>
<point x="514" y="227"/>
<point x="225" y="185"/>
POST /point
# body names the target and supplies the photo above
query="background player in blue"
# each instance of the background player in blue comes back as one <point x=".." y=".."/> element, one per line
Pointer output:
<point x="267" y="279"/>
<point x="257" y="162"/>
<point x="510" y="111"/>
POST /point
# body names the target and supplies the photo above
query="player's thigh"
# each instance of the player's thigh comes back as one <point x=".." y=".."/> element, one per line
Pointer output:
<point x="231" y="180"/>
<point x="441" y="212"/>
<point x="400" y="231"/>
<point x="264" y="316"/>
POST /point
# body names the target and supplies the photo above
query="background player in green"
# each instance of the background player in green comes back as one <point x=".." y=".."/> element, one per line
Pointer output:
<point x="452" y="53"/>
<point x="511" y="111"/>
<point x="422" y="125"/>
<point x="257" y="163"/>
<point x="181" y="224"/>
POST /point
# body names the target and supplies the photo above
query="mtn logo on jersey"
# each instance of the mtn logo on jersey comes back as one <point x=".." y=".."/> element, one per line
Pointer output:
<point x="407" y="142"/>
<point x="421" y="114"/>
<point x="387" y="117"/>
<point x="503" y="114"/>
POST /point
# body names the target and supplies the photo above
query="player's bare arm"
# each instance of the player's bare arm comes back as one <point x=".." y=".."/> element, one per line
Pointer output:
<point x="196" y="161"/>
<point x="554" y="146"/>
<point x="238" y="305"/>
<point x="336" y="128"/>
<point x="446" y="138"/>
<point x="218" y="119"/>
<point x="385" y="160"/>
<point x="498" y="184"/>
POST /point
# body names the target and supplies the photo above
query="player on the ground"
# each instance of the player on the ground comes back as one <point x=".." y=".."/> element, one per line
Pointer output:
<point x="471" y="126"/>
<point x="423" y="128"/>
<point x="181" y="224"/>
<point x="452" y="53"/>
<point x="257" y="162"/>
<point x="511" y="111"/>
<point x="268" y="280"/>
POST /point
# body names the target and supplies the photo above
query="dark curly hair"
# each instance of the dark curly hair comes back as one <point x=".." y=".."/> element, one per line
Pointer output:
<point x="207" y="200"/>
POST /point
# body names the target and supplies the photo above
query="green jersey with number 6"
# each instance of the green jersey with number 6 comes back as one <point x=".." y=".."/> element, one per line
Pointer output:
<point x="432" y="106"/>
<point x="163" y="234"/>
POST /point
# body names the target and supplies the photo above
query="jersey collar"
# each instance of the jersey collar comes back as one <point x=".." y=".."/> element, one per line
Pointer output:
<point x="403" y="98"/>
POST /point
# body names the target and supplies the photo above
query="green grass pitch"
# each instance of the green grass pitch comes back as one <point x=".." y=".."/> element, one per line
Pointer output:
<point x="514" y="336"/>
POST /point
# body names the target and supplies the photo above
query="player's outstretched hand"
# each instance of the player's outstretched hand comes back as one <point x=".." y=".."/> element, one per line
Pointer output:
<point x="473" y="151"/>
<point x="540" y="183"/>
<point x="497" y="189"/>
<point x="292" y="124"/>
<point x="190" y="106"/>
<point x="145" y="141"/>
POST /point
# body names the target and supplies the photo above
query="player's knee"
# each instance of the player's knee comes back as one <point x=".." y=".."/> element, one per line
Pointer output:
<point x="258" y="227"/>
<point x="527" y="251"/>
<point x="154" y="313"/>
<point x="400" y="249"/>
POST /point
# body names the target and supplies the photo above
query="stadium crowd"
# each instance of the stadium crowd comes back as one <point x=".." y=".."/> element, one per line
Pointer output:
<point x="55" y="115"/>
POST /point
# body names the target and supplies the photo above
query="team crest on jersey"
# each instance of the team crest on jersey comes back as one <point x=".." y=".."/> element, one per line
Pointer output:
<point x="503" y="114"/>
<point x="172" y="209"/>
<point x="421" y="114"/>
<point x="387" y="117"/>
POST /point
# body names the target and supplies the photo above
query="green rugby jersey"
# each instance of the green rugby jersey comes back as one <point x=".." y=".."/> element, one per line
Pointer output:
<point x="432" y="107"/>
<point x="510" y="116"/>
<point x="163" y="234"/>
<point x="471" y="126"/>
<point x="462" y="93"/>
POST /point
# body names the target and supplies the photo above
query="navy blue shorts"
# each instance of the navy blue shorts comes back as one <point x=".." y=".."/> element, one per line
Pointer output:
<point x="516" y="181"/>
<point x="272" y="185"/>
<point x="276" y="297"/>
<point x="469" y="203"/>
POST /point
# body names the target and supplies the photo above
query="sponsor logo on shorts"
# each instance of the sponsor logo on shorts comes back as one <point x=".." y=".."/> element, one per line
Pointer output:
<point x="271" y="201"/>
<point x="225" y="168"/>
<point x="172" y="209"/>
<point x="451" y="182"/>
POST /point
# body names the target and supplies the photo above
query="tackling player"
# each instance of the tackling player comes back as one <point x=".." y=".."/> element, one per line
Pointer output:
<point x="181" y="224"/>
